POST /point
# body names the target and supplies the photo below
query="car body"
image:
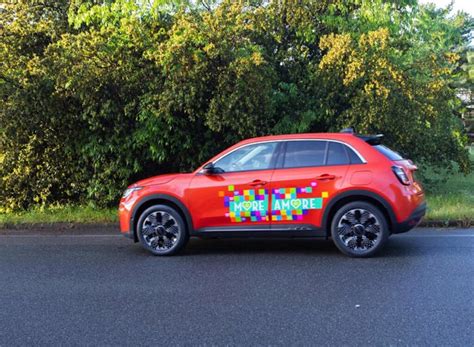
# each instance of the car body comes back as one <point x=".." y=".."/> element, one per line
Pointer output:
<point x="284" y="185"/>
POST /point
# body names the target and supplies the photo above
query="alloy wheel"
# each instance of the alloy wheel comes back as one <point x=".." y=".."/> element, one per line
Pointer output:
<point x="359" y="230"/>
<point x="160" y="231"/>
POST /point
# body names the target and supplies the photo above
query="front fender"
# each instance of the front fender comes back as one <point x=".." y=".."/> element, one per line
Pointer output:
<point x="160" y="198"/>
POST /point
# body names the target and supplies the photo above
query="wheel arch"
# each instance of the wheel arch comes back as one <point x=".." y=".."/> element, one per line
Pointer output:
<point x="156" y="199"/>
<point x="357" y="195"/>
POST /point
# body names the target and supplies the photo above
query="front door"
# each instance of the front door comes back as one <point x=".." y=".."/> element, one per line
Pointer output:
<point x="237" y="197"/>
<point x="310" y="172"/>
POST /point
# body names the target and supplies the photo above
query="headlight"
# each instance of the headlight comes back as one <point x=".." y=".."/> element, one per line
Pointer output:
<point x="129" y="191"/>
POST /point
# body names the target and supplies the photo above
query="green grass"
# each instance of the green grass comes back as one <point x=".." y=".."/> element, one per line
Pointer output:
<point x="451" y="209"/>
<point x="453" y="201"/>
<point x="65" y="214"/>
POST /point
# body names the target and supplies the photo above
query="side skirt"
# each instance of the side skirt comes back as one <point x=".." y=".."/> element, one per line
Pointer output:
<point x="251" y="231"/>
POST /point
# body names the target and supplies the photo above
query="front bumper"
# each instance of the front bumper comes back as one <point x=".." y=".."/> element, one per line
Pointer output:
<point x="412" y="221"/>
<point x="126" y="216"/>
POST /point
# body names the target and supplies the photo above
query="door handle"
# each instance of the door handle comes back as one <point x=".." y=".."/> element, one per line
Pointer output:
<point x="257" y="183"/>
<point x="325" y="177"/>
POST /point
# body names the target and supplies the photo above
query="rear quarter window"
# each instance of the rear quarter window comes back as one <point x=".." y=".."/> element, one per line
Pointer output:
<point x="353" y="157"/>
<point x="388" y="153"/>
<point x="337" y="154"/>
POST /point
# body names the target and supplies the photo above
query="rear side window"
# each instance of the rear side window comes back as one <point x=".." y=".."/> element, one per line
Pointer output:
<point x="387" y="152"/>
<point x="337" y="154"/>
<point x="318" y="153"/>
<point x="304" y="153"/>
<point x="353" y="157"/>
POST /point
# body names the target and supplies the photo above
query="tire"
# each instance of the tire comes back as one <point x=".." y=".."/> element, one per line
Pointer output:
<point x="359" y="229"/>
<point x="161" y="230"/>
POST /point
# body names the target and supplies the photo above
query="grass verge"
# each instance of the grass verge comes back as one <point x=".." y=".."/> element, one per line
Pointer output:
<point x="453" y="201"/>
<point x="64" y="214"/>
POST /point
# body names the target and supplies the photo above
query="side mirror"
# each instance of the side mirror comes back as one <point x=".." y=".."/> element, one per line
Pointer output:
<point x="209" y="169"/>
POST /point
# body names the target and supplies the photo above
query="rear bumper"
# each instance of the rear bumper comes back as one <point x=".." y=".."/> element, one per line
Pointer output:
<point x="412" y="221"/>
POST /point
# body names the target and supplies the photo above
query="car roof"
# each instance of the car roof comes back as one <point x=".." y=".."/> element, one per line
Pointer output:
<point x="323" y="136"/>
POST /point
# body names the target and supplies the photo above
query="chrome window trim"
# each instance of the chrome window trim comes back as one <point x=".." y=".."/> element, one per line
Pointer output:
<point x="288" y="140"/>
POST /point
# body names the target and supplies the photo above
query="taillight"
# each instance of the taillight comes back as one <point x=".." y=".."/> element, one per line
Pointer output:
<point x="401" y="175"/>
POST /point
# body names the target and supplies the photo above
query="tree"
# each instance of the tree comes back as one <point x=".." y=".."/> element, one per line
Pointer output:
<point x="395" y="73"/>
<point x="96" y="94"/>
<point x="33" y="136"/>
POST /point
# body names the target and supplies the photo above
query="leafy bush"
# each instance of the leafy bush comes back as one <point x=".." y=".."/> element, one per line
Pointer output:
<point x="96" y="94"/>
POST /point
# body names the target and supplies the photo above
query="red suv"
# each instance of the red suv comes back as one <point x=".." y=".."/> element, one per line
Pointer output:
<point x="340" y="185"/>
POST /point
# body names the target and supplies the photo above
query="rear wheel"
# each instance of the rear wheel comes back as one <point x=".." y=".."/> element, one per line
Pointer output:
<point x="359" y="229"/>
<point x="161" y="230"/>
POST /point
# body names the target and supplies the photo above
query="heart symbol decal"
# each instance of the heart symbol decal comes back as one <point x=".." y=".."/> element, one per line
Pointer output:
<point x="296" y="203"/>
<point x="247" y="205"/>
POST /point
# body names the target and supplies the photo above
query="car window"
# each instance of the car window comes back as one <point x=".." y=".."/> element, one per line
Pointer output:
<point x="387" y="152"/>
<point x="251" y="157"/>
<point x="304" y="153"/>
<point x="353" y="157"/>
<point x="336" y="154"/>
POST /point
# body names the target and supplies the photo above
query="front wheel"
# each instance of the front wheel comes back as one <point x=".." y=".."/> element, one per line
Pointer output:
<point x="161" y="230"/>
<point x="359" y="229"/>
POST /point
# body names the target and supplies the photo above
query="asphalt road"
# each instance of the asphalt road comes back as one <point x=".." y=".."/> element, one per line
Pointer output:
<point x="105" y="290"/>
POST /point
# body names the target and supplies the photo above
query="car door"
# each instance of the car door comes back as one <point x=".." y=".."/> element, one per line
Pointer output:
<point x="237" y="197"/>
<point x="308" y="174"/>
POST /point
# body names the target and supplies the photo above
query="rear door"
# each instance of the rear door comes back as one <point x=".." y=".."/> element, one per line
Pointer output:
<point x="307" y="174"/>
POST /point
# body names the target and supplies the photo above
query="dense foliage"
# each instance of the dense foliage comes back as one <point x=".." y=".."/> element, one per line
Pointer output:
<point x="96" y="94"/>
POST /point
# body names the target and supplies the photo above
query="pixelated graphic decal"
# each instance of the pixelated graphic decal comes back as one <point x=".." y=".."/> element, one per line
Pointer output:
<point x="251" y="205"/>
<point x="248" y="205"/>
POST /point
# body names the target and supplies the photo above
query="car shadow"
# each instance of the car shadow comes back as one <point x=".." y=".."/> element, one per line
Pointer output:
<point x="396" y="247"/>
<point x="254" y="246"/>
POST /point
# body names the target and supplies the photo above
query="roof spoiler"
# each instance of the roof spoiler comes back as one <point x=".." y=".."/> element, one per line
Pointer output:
<point x="350" y="130"/>
<point x="370" y="139"/>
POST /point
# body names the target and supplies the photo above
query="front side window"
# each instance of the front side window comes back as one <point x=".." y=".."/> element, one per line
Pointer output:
<point x="304" y="153"/>
<point x="251" y="157"/>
